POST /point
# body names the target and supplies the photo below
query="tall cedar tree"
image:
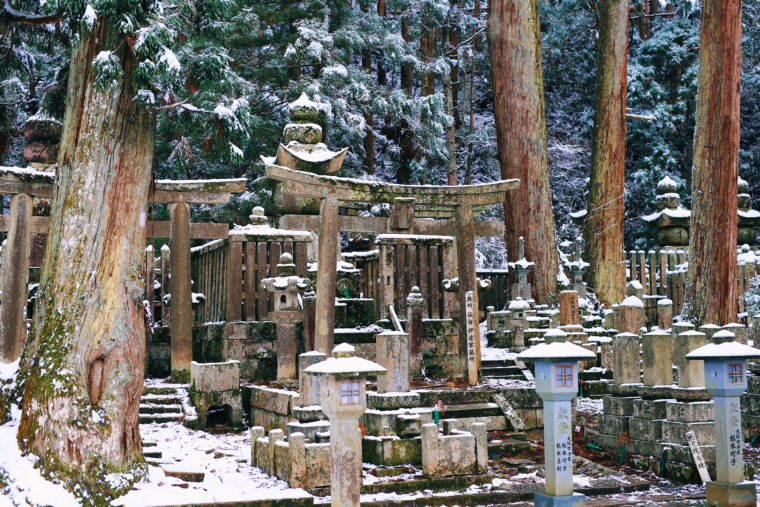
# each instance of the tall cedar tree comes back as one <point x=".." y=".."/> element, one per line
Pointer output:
<point x="82" y="368"/>
<point x="711" y="295"/>
<point x="514" y="37"/>
<point x="606" y="202"/>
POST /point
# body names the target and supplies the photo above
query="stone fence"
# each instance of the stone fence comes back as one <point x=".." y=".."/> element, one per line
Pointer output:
<point x="300" y="464"/>
<point x="664" y="273"/>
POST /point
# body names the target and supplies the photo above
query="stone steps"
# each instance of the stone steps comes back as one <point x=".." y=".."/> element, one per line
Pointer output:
<point x="508" y="447"/>
<point x="472" y="410"/>
<point x="150" y="409"/>
<point x="502" y="372"/>
<point x="162" y="403"/>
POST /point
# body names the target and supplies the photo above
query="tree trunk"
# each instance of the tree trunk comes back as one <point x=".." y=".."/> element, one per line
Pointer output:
<point x="711" y="294"/>
<point x="369" y="145"/>
<point x="606" y="205"/>
<point x="83" y="364"/>
<point x="406" y="69"/>
<point x="513" y="32"/>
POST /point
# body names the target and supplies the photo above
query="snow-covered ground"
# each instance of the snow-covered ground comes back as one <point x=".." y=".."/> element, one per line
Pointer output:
<point x="490" y="353"/>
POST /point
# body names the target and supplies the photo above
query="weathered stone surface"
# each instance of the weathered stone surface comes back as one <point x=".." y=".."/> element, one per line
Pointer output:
<point x="676" y="432"/>
<point x="619" y="406"/>
<point x="625" y="352"/>
<point x="41" y="152"/>
<point x="46" y="130"/>
<point x="679" y="394"/>
<point x="393" y="355"/>
<point x="454" y="452"/>
<point x="690" y="373"/>
<point x="568" y="308"/>
<point x="631" y="316"/>
<point x="230" y="400"/>
<point x="613" y="424"/>
<point x="650" y="409"/>
<point x="272" y="400"/>
<point x="649" y="430"/>
<point x="700" y="411"/>
<point x="658" y="370"/>
<point x="392" y="400"/>
<point x="215" y="377"/>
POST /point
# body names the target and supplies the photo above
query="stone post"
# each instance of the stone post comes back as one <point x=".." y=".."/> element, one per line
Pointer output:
<point x="568" y="308"/>
<point x="166" y="285"/>
<point x="658" y="368"/>
<point x="740" y="332"/>
<point x="625" y="353"/>
<point x="15" y="276"/>
<point x="709" y="330"/>
<point x="690" y="373"/>
<point x="726" y="380"/>
<point x="309" y="385"/>
<point x="344" y="399"/>
<point x="755" y="331"/>
<point x="393" y="355"/>
<point x="467" y="283"/>
<point x="329" y="249"/>
<point x="415" y="305"/>
<point x="309" y="319"/>
<point x="665" y="314"/>
<point x="556" y="365"/>
<point x="631" y="317"/>
<point x="181" y="287"/>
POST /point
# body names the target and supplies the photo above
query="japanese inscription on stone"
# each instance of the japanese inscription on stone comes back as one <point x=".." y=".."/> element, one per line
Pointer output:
<point x="470" y="324"/>
<point x="699" y="461"/>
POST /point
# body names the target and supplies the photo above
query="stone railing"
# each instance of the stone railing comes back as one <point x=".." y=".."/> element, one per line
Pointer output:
<point x="300" y="464"/>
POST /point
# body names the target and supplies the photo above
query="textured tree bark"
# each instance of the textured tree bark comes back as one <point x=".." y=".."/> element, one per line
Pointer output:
<point x="406" y="69"/>
<point x="606" y="205"/>
<point x="82" y="368"/>
<point x="513" y="32"/>
<point x="711" y="293"/>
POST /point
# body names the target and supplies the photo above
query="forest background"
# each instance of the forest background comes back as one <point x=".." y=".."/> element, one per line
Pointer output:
<point x="394" y="80"/>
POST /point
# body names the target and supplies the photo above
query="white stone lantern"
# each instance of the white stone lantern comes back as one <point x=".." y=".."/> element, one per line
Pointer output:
<point x="344" y="399"/>
<point x="726" y="380"/>
<point x="556" y="362"/>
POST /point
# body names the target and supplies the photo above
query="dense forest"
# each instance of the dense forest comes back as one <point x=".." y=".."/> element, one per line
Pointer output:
<point x="405" y="84"/>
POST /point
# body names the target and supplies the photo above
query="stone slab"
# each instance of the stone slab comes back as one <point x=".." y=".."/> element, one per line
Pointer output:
<point x="215" y="377"/>
<point x="272" y="400"/>
<point x="544" y="500"/>
<point x="620" y="406"/>
<point x="673" y="392"/>
<point x="676" y="432"/>
<point x="731" y="495"/>
<point x="613" y="424"/>
<point x="699" y="411"/>
<point x="647" y="430"/>
<point x="650" y="409"/>
<point x="624" y="389"/>
<point x="392" y="401"/>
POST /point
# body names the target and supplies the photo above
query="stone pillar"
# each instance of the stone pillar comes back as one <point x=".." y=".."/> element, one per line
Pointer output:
<point x="755" y="331"/>
<point x="309" y="319"/>
<point x="631" y="317"/>
<point x="740" y="331"/>
<point x="625" y="353"/>
<point x="658" y="367"/>
<point x="181" y="287"/>
<point x="387" y="280"/>
<point x="568" y="308"/>
<point x="329" y="248"/>
<point x="690" y="373"/>
<point x="558" y="445"/>
<point x="15" y="276"/>
<point x="415" y="304"/>
<point x="166" y="284"/>
<point x="286" y="346"/>
<point x="393" y="355"/>
<point x="709" y="330"/>
<point x="467" y="283"/>
<point x="309" y="385"/>
<point x="665" y="314"/>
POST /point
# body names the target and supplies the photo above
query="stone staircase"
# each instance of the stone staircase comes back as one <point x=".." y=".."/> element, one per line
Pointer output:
<point x="502" y="369"/>
<point x="161" y="403"/>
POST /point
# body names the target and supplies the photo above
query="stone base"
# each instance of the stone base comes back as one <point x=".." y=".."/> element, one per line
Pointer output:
<point x="392" y="451"/>
<point x="309" y="430"/>
<point x="392" y="401"/>
<point x="674" y="392"/>
<point x="624" y="389"/>
<point x="308" y="414"/>
<point x="232" y="401"/>
<point x="544" y="500"/>
<point x="731" y="495"/>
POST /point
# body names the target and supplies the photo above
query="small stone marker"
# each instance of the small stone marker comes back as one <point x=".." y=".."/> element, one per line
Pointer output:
<point x="568" y="308"/>
<point x="472" y="364"/>
<point x="696" y="453"/>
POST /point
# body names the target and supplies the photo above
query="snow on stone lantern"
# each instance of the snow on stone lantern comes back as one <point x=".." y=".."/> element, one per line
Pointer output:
<point x="521" y="288"/>
<point x="748" y="218"/>
<point x="725" y="363"/>
<point x="556" y="362"/>
<point x="518" y="321"/>
<point x="288" y="311"/>
<point x="671" y="220"/>
<point x="577" y="268"/>
<point x="344" y="400"/>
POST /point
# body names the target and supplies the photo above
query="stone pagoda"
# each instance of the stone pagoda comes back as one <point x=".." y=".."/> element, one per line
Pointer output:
<point x="671" y="220"/>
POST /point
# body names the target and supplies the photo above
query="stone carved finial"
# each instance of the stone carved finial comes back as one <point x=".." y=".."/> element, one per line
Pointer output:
<point x="343" y="350"/>
<point x="521" y="248"/>
<point x="257" y="216"/>
<point x="286" y="265"/>
<point x="415" y="297"/>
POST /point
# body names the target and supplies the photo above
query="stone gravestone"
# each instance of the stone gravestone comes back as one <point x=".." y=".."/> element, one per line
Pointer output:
<point x="568" y="308"/>
<point x="393" y="355"/>
<point x="472" y="363"/>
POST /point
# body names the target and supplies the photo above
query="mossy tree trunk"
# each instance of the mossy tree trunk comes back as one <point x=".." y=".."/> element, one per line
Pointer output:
<point x="514" y="37"/>
<point x="711" y="293"/>
<point x="82" y="369"/>
<point x="606" y="205"/>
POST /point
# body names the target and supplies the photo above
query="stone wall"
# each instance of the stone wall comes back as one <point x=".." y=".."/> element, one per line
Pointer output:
<point x="300" y="464"/>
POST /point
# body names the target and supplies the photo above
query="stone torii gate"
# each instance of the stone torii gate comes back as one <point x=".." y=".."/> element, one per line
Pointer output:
<point x="331" y="191"/>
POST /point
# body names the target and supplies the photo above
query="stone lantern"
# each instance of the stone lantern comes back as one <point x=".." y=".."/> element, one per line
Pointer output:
<point x="288" y="311"/>
<point x="521" y="287"/>
<point x="748" y="217"/>
<point x="726" y="380"/>
<point x="556" y="362"/>
<point x="344" y="400"/>
<point x="518" y="321"/>
<point x="577" y="268"/>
